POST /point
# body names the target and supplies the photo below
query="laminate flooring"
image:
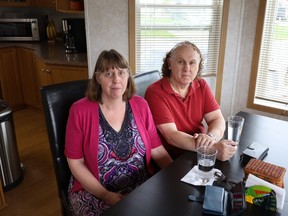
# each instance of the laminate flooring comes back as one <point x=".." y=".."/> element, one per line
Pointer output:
<point x="37" y="194"/>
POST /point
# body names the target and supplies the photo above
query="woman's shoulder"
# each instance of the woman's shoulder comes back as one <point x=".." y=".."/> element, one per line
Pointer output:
<point x="136" y="99"/>
<point x="84" y="103"/>
<point x="139" y="102"/>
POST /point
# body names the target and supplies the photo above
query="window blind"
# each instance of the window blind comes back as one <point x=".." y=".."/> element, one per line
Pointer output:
<point x="160" y="24"/>
<point x="272" y="74"/>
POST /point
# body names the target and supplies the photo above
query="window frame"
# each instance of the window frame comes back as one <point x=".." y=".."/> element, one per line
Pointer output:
<point x="255" y="64"/>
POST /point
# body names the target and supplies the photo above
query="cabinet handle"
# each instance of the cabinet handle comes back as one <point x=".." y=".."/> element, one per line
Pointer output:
<point x="48" y="71"/>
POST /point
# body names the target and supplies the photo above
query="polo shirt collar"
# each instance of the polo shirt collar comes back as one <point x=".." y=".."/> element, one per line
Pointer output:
<point x="168" y="89"/>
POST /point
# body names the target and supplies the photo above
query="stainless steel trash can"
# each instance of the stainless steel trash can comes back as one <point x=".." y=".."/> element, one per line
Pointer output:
<point x="10" y="168"/>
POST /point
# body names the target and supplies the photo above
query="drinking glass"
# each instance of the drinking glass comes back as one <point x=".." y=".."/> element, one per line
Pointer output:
<point x="206" y="157"/>
<point x="235" y="125"/>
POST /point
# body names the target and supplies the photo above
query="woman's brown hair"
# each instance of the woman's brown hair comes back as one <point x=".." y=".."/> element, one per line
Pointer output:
<point x="107" y="60"/>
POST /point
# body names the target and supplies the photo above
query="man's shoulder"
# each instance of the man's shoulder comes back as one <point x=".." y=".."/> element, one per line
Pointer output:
<point x="202" y="81"/>
<point x="156" y="86"/>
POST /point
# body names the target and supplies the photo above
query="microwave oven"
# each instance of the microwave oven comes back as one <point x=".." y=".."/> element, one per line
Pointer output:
<point x="21" y="29"/>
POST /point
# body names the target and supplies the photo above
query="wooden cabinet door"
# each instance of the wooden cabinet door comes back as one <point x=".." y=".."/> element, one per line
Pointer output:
<point x="44" y="3"/>
<point x="43" y="73"/>
<point x="52" y="74"/>
<point x="60" y="74"/>
<point x="69" y="6"/>
<point x="15" y="3"/>
<point x="10" y="78"/>
<point x="29" y="81"/>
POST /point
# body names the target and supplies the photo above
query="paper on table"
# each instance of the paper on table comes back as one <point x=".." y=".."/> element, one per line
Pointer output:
<point x="280" y="192"/>
<point x="192" y="177"/>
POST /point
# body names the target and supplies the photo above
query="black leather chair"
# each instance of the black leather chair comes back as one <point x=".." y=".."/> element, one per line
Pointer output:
<point x="143" y="80"/>
<point x="56" y="100"/>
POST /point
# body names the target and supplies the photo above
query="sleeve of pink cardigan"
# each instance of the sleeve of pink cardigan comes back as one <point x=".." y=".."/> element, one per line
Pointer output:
<point x="152" y="131"/>
<point x="145" y="116"/>
<point x="74" y="135"/>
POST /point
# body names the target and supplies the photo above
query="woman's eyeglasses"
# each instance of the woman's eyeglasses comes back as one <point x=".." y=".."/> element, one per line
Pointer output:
<point x="111" y="74"/>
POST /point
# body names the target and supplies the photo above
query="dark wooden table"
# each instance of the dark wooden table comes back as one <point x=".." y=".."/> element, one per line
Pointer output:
<point x="164" y="193"/>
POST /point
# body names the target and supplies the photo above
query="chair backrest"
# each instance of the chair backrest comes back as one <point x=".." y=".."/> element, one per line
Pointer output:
<point x="143" y="80"/>
<point x="57" y="100"/>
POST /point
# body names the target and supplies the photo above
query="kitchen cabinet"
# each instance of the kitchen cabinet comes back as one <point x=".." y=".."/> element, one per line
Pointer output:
<point x="48" y="74"/>
<point x="43" y="73"/>
<point x="60" y="5"/>
<point x="60" y="74"/>
<point x="15" y="3"/>
<point x="70" y="6"/>
<point x="44" y="3"/>
<point x="23" y="70"/>
<point x="29" y="79"/>
<point x="10" y="78"/>
<point x="52" y="74"/>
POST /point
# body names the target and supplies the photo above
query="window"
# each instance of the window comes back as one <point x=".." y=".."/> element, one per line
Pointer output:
<point x="269" y="76"/>
<point x="160" y="24"/>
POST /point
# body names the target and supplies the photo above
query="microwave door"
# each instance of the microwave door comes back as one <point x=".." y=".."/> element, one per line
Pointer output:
<point x="16" y="31"/>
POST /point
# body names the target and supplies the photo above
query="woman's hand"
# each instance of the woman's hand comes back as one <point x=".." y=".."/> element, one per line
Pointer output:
<point x="90" y="183"/>
<point x="111" y="198"/>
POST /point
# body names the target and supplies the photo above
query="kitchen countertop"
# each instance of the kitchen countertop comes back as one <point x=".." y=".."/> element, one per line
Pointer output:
<point x="51" y="52"/>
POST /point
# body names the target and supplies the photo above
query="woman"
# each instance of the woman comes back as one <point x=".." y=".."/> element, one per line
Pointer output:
<point x="110" y="139"/>
<point x="181" y="100"/>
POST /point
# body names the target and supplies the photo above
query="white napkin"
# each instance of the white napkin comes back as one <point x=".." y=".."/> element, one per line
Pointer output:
<point x="192" y="177"/>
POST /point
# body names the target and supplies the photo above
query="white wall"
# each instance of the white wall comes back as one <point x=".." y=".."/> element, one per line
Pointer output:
<point x="106" y="28"/>
<point x="242" y="23"/>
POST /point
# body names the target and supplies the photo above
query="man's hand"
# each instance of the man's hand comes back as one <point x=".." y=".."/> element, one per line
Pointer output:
<point x="226" y="149"/>
<point x="203" y="140"/>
